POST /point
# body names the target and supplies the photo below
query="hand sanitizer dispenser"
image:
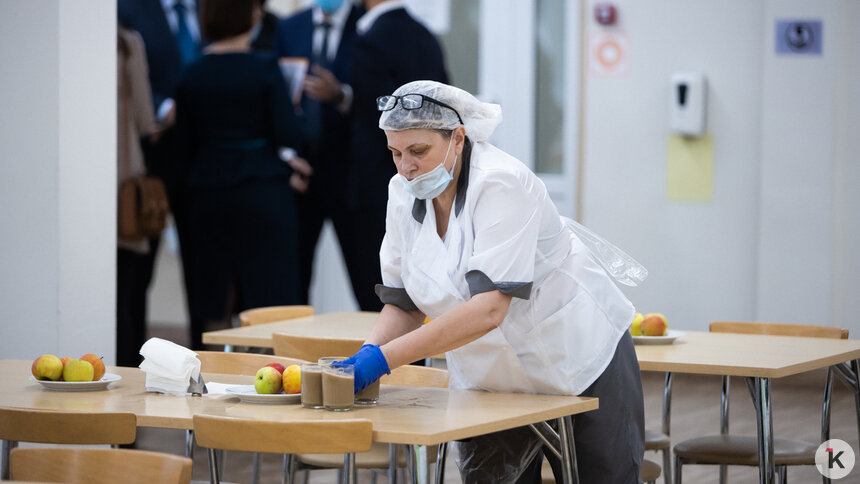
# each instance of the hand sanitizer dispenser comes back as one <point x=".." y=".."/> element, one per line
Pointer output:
<point x="688" y="102"/>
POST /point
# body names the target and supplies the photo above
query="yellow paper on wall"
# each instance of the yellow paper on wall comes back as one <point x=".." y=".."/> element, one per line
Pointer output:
<point x="690" y="168"/>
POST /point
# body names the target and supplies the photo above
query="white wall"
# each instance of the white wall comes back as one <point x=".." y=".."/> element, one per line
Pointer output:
<point x="766" y="246"/>
<point x="57" y="178"/>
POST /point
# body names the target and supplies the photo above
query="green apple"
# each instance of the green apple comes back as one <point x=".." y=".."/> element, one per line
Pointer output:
<point x="635" y="329"/>
<point x="78" y="370"/>
<point x="47" y="367"/>
<point x="268" y="380"/>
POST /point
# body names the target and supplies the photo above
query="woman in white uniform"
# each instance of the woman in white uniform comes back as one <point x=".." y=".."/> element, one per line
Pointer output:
<point x="517" y="302"/>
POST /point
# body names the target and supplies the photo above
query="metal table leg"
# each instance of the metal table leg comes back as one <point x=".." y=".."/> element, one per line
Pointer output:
<point x="568" y="451"/>
<point x="441" y="455"/>
<point x="760" y="388"/>
<point x="420" y="465"/>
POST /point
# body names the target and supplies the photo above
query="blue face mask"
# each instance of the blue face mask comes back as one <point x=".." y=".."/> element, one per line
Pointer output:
<point x="329" y="6"/>
<point x="431" y="184"/>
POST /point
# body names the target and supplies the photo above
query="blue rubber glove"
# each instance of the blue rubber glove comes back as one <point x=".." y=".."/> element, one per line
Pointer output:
<point x="369" y="365"/>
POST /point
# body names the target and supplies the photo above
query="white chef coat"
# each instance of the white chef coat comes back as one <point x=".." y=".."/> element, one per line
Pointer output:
<point x="566" y="315"/>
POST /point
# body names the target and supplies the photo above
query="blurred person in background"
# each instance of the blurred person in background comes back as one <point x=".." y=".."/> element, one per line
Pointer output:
<point x="135" y="257"/>
<point x="171" y="35"/>
<point x="263" y="33"/>
<point x="233" y="113"/>
<point x="325" y="35"/>
<point x="391" y="49"/>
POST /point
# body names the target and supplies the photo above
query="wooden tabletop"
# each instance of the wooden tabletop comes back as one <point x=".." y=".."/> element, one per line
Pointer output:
<point x="745" y="354"/>
<point x="404" y="415"/>
<point x="349" y="325"/>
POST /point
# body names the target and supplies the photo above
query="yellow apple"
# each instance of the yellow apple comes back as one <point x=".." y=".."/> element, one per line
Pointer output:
<point x="78" y="370"/>
<point x="98" y="365"/>
<point x="47" y="367"/>
<point x="635" y="329"/>
<point x="267" y="380"/>
<point x="293" y="379"/>
<point x="654" y="324"/>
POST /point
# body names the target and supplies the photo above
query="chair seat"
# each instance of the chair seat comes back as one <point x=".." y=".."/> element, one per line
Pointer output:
<point x="743" y="450"/>
<point x="656" y="440"/>
<point x="650" y="471"/>
<point x="375" y="458"/>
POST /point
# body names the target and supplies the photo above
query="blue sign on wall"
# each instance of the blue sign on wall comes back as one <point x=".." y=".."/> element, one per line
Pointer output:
<point x="799" y="37"/>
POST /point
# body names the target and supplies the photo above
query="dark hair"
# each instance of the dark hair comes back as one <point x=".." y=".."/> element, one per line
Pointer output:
<point x="222" y="19"/>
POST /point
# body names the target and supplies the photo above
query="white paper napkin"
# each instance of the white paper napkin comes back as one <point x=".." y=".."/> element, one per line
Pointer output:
<point x="168" y="366"/>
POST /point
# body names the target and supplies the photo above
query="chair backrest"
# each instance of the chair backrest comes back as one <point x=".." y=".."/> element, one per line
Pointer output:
<point x="76" y="465"/>
<point x="778" y="329"/>
<point x="417" y="376"/>
<point x="289" y="437"/>
<point x="59" y="427"/>
<point x="313" y="348"/>
<point x="270" y="314"/>
<point x="239" y="363"/>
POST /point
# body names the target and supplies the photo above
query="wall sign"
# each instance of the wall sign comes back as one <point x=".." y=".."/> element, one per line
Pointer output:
<point x="608" y="53"/>
<point x="799" y="37"/>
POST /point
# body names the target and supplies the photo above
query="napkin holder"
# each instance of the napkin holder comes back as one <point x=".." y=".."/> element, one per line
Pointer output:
<point x="197" y="387"/>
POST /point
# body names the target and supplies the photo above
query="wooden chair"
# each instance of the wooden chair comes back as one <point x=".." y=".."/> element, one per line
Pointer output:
<point x="725" y="449"/>
<point x="382" y="456"/>
<point x="59" y="427"/>
<point x="312" y="348"/>
<point x="271" y="314"/>
<point x="649" y="472"/>
<point x="239" y="363"/>
<point x="75" y="465"/>
<point x="236" y="364"/>
<point x="291" y="437"/>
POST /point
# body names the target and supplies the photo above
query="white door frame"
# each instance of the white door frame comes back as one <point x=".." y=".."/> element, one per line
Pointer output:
<point x="507" y="76"/>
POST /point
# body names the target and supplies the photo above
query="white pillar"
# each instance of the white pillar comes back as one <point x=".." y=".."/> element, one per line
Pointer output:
<point x="57" y="178"/>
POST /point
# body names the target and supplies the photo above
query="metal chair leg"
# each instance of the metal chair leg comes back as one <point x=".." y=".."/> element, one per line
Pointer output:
<point x="667" y="465"/>
<point x="214" y="475"/>
<point x="7" y="445"/>
<point x="678" y="465"/>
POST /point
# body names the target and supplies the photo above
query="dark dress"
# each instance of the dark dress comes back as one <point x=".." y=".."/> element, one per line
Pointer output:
<point x="233" y="113"/>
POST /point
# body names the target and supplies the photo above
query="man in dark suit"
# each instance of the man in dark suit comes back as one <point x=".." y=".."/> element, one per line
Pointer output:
<point x="392" y="49"/>
<point x="171" y="34"/>
<point x="324" y="34"/>
<point x="263" y="35"/>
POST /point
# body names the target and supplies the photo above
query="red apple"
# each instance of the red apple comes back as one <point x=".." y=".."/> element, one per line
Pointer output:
<point x="653" y="324"/>
<point x="98" y="365"/>
<point x="278" y="367"/>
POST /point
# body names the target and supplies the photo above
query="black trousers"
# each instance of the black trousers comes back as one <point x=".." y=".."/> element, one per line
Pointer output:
<point x="359" y="234"/>
<point x="133" y="277"/>
<point x="609" y="441"/>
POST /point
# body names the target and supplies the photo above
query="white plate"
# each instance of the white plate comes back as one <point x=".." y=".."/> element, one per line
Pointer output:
<point x="247" y="394"/>
<point x="666" y="339"/>
<point x="79" y="386"/>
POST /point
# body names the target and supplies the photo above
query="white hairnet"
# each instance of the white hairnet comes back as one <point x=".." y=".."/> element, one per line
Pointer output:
<point x="479" y="118"/>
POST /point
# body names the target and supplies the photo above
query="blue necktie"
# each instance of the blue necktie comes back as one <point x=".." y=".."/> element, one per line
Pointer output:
<point x="188" y="50"/>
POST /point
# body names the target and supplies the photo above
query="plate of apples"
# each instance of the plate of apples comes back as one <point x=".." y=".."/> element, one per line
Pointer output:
<point x="85" y="374"/>
<point x="273" y="384"/>
<point x="652" y="329"/>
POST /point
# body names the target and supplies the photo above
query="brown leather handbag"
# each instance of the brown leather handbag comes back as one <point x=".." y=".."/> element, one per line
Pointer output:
<point x="143" y="207"/>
